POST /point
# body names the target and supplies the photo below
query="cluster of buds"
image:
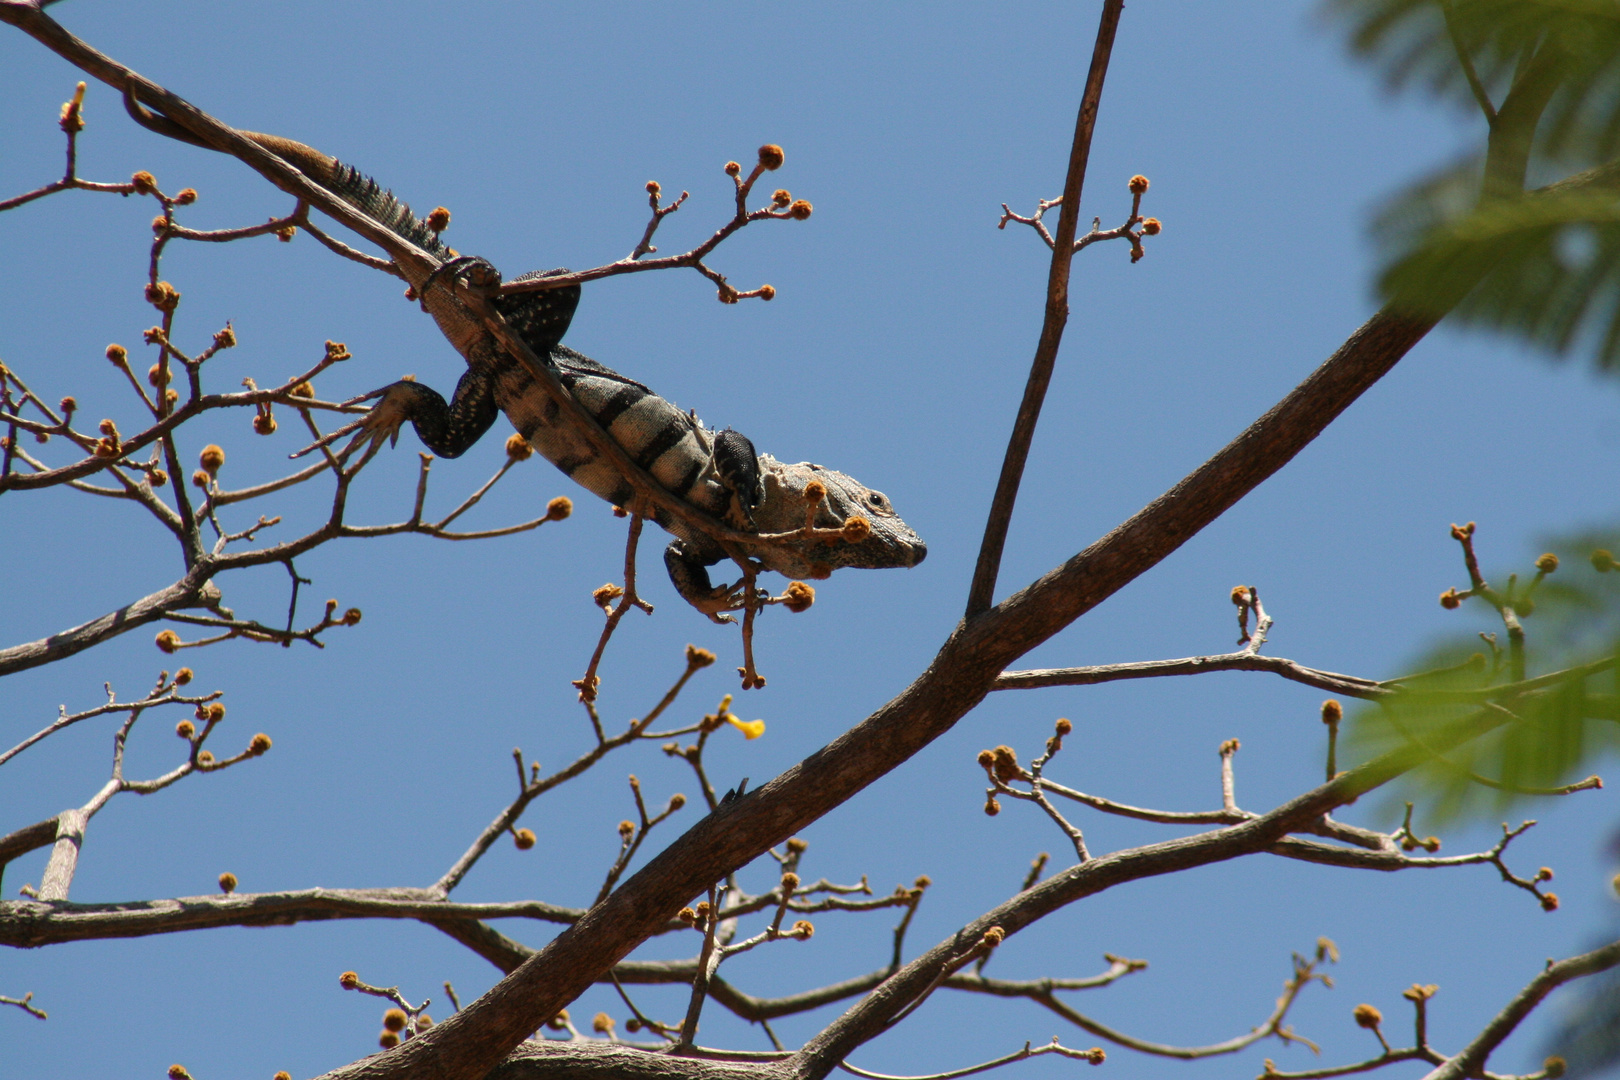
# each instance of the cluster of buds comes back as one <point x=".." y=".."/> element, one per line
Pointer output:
<point x="1549" y="900"/>
<point x="798" y="597"/>
<point x="604" y="595"/>
<point x="350" y="617"/>
<point x="1060" y="728"/>
<point x="696" y="917"/>
<point x="398" y="1025"/>
<point x="518" y="448"/>
<point x="162" y="295"/>
<point x="264" y="421"/>
<point x="72" y="119"/>
<point x="1001" y="764"/>
<point x="1150" y="226"/>
<point x="109" y="445"/>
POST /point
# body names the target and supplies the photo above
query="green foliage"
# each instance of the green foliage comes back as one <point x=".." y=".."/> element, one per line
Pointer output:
<point x="1572" y="44"/>
<point x="1552" y="725"/>
<point x="1542" y="266"/>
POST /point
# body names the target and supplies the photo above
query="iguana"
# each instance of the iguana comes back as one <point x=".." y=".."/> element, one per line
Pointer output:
<point x="717" y="472"/>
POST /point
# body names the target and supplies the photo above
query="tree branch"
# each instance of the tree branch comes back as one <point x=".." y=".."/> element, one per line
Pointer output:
<point x="982" y="590"/>
<point x="1472" y="1058"/>
<point x="30" y="924"/>
<point x="1348" y="685"/>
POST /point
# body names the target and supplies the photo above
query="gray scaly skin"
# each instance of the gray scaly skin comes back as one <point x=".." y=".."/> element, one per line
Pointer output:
<point x="717" y="472"/>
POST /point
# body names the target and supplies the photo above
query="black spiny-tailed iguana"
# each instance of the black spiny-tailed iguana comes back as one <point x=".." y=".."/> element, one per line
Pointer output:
<point x="717" y="472"/>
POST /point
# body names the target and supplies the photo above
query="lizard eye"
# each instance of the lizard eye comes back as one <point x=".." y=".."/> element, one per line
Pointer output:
<point x="875" y="499"/>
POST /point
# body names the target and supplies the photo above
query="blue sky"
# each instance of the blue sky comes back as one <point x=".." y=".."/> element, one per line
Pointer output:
<point x="896" y="351"/>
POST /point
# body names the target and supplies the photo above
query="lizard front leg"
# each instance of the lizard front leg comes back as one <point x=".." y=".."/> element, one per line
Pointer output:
<point x="446" y="429"/>
<point x="689" y="572"/>
<point x="737" y="464"/>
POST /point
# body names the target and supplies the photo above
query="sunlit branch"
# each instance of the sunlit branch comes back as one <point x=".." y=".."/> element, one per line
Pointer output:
<point x="1304" y="973"/>
<point x="25" y="1003"/>
<point x="982" y="590"/>
<point x="167" y="693"/>
<point x="531" y="789"/>
<point x="1095" y="1056"/>
<point x="37" y="924"/>
<point x="1348" y="685"/>
<point x="588" y="684"/>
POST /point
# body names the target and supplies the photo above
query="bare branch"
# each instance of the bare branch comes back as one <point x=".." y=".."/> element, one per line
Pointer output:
<point x="163" y="696"/>
<point x="696" y="660"/>
<point x="982" y="591"/>
<point x="1348" y="685"/>
<point x="1095" y="1056"/>
<point x="588" y="683"/>
<point x="25" y="1004"/>
<point x="32" y="924"/>
<point x="1476" y="1053"/>
<point x="185" y="593"/>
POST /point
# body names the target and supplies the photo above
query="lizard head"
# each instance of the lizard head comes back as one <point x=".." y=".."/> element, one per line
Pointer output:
<point x="886" y="542"/>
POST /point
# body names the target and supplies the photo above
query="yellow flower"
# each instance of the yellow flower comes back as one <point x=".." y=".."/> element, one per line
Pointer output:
<point x="751" y="729"/>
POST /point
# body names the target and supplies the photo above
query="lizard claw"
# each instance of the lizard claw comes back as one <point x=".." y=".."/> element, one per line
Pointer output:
<point x="386" y="418"/>
<point x="479" y="272"/>
<point x="724" y="598"/>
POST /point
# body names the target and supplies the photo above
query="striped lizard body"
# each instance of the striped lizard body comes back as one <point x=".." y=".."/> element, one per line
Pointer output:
<point x="717" y="472"/>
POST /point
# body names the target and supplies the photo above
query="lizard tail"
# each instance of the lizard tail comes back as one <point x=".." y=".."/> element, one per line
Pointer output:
<point x="345" y="181"/>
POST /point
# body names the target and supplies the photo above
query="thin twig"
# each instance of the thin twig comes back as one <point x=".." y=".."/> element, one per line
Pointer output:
<point x="25" y="1003"/>
<point x="1095" y="1056"/>
<point x="982" y="590"/>
<point x="588" y="684"/>
<point x="708" y="959"/>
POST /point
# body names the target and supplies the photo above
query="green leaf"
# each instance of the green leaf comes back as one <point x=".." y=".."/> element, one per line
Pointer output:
<point x="1550" y="733"/>
<point x="1575" y="43"/>
<point x="1543" y="267"/>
